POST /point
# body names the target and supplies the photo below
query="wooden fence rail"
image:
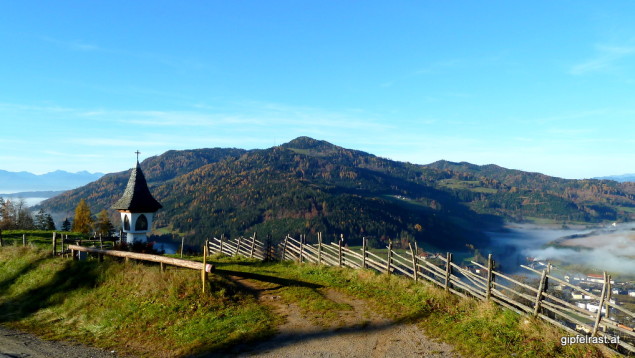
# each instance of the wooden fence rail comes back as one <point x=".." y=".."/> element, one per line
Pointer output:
<point x="490" y="284"/>
<point x="247" y="247"/>
<point x="204" y="267"/>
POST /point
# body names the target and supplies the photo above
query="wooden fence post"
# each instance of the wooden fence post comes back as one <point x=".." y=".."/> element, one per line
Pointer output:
<point x="448" y="271"/>
<point x="221" y="244"/>
<point x="253" y="246"/>
<point x="414" y="264"/>
<point x="490" y="276"/>
<point x="340" y="250"/>
<point x="284" y="248"/>
<point x="541" y="288"/>
<point x="598" y="317"/>
<point x="608" y="296"/>
<point x="204" y="271"/>
<point x="319" y="248"/>
<point x="389" y="257"/>
<point x="54" y="243"/>
<point x="302" y="237"/>
<point x="182" y="245"/>
<point x="238" y="246"/>
<point x="271" y="250"/>
<point x="1" y="242"/>
<point x="23" y="239"/>
<point x="364" y="244"/>
<point x="100" y="257"/>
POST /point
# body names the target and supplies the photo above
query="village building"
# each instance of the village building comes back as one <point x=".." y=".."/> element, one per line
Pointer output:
<point x="595" y="278"/>
<point x="137" y="207"/>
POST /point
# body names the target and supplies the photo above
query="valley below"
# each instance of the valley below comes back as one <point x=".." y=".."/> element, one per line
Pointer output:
<point x="593" y="250"/>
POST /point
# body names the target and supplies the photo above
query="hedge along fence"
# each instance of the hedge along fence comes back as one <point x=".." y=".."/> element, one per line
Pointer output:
<point x="440" y="270"/>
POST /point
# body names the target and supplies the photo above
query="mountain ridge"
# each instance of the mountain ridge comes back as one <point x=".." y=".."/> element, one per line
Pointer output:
<point x="52" y="181"/>
<point x="630" y="177"/>
<point x="309" y="185"/>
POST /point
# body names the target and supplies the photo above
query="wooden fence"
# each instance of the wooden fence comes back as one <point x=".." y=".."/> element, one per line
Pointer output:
<point x="481" y="281"/>
<point x="247" y="247"/>
<point x="60" y="241"/>
<point x="203" y="267"/>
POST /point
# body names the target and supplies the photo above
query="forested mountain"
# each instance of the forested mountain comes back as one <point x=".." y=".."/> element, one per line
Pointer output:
<point x="519" y="195"/>
<point x="307" y="185"/>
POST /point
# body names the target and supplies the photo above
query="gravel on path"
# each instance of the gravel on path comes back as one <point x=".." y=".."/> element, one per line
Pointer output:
<point x="16" y="344"/>
<point x="359" y="332"/>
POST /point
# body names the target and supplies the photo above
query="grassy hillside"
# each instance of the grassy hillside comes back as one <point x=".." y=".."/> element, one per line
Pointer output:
<point x="128" y="308"/>
<point x="136" y="309"/>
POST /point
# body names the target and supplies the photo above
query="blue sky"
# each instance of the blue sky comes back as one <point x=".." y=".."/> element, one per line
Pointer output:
<point x="545" y="86"/>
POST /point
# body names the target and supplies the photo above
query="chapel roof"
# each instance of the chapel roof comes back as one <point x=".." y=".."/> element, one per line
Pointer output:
<point x="137" y="196"/>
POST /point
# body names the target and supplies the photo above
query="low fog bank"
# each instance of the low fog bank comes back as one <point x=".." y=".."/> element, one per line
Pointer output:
<point x="614" y="248"/>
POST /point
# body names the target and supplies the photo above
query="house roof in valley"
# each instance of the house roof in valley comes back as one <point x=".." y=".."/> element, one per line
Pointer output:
<point x="137" y="196"/>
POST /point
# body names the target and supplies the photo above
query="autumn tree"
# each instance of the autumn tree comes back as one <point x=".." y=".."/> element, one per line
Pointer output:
<point x="15" y="214"/>
<point x="83" y="221"/>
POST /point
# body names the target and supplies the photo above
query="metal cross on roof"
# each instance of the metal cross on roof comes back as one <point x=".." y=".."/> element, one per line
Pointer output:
<point x="138" y="152"/>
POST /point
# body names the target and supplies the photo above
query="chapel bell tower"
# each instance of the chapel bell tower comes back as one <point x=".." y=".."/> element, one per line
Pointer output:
<point x="137" y="207"/>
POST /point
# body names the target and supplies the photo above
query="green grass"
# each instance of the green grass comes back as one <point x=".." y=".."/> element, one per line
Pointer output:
<point x="628" y="209"/>
<point x="134" y="308"/>
<point x="131" y="308"/>
<point x="472" y="185"/>
<point x="38" y="238"/>
<point x="475" y="328"/>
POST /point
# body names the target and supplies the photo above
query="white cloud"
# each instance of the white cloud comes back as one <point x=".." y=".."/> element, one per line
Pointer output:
<point x="439" y="66"/>
<point x="75" y="45"/>
<point x="71" y="155"/>
<point x="605" y="60"/>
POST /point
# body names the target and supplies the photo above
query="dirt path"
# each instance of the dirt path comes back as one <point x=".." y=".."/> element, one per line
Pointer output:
<point x="15" y="344"/>
<point x="358" y="332"/>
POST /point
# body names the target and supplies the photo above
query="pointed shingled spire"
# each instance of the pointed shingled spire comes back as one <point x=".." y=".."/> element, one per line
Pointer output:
<point x="137" y="197"/>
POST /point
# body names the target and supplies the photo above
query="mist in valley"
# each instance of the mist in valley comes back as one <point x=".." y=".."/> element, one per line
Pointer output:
<point x="613" y="248"/>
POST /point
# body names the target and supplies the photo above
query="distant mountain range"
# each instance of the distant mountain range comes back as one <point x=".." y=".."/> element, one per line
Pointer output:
<point x="619" y="178"/>
<point x="309" y="185"/>
<point x="11" y="182"/>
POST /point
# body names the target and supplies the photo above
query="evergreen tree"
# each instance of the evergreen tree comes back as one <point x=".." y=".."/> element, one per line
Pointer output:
<point x="83" y="221"/>
<point x="50" y="223"/>
<point x="40" y="220"/>
<point x="66" y="225"/>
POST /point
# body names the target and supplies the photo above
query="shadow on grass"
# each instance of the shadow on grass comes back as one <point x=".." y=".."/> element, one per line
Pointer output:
<point x="73" y="276"/>
<point x="266" y="343"/>
<point x="267" y="278"/>
<point x="9" y="281"/>
<point x="219" y="263"/>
